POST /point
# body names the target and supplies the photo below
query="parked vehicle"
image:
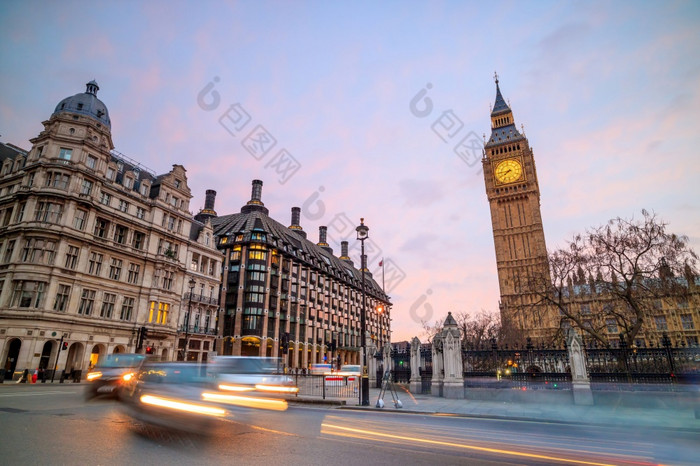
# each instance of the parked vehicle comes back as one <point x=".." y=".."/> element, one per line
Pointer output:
<point x="111" y="372"/>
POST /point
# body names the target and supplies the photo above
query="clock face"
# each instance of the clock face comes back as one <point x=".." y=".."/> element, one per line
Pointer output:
<point x="508" y="171"/>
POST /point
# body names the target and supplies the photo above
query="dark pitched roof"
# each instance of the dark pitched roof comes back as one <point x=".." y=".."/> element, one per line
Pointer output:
<point x="296" y="245"/>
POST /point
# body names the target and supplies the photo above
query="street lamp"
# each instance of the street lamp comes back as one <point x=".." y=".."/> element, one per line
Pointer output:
<point x="362" y="234"/>
<point x="191" y="283"/>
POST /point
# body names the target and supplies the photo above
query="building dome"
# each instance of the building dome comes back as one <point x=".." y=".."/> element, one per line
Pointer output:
<point x="86" y="103"/>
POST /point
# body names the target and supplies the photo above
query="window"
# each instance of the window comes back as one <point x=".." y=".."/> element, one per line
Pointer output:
<point x="65" y="154"/>
<point x="168" y="280"/>
<point x="6" y="216"/>
<point x="110" y="173"/>
<point x="120" y="233"/>
<point x="257" y="252"/>
<point x="123" y="205"/>
<point x="72" y="257"/>
<point x="139" y="240"/>
<point x="57" y="180"/>
<point x="49" y="212"/>
<point x="612" y="325"/>
<point x="79" y="220"/>
<point x="91" y="162"/>
<point x="8" y="252"/>
<point x="177" y="184"/>
<point x="158" y="312"/>
<point x="62" y="296"/>
<point x="95" y="264"/>
<point x="19" y="216"/>
<point x="661" y="323"/>
<point x="687" y="321"/>
<point x="128" y="182"/>
<point x="30" y="180"/>
<point x="171" y="223"/>
<point x="39" y="251"/>
<point x="106" y="198"/>
<point x="115" y="269"/>
<point x="28" y="294"/>
<point x="163" y="309"/>
<point x="87" y="302"/>
<point x="140" y="213"/>
<point x="206" y="239"/>
<point x="101" y="227"/>
<point x="127" y="309"/>
<point x="134" y="270"/>
<point x="86" y="189"/>
<point x="144" y="189"/>
<point x="108" y="305"/>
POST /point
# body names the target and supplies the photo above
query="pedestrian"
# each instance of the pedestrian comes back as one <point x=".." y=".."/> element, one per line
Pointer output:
<point x="24" y="377"/>
<point x="42" y="375"/>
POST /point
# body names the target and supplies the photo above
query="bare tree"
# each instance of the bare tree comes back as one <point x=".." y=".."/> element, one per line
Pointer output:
<point x="614" y="276"/>
<point x="479" y="329"/>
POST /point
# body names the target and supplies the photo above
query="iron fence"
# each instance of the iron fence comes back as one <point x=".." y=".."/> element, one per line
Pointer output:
<point x="328" y="386"/>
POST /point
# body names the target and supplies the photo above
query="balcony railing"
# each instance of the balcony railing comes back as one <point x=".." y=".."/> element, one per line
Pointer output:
<point x="197" y="330"/>
<point x="200" y="298"/>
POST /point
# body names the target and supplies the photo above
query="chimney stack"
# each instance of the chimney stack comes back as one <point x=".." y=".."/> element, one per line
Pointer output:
<point x="295" y="226"/>
<point x="255" y="203"/>
<point x="209" y="200"/>
<point x="322" y="233"/>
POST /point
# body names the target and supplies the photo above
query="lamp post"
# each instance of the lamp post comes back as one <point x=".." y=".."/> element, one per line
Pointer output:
<point x="191" y="283"/>
<point x="362" y="234"/>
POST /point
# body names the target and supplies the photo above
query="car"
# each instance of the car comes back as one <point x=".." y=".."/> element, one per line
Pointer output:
<point x="250" y="373"/>
<point x="111" y="372"/>
<point x="171" y="396"/>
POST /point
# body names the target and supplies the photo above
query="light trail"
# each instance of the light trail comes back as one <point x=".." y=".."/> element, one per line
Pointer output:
<point x="349" y="431"/>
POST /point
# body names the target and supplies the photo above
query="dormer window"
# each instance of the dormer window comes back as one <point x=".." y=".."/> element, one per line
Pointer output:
<point x="128" y="182"/>
<point x="144" y="189"/>
<point x="110" y="173"/>
<point x="177" y="184"/>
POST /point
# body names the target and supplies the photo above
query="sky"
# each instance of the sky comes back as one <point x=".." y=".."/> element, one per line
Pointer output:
<point x="351" y="100"/>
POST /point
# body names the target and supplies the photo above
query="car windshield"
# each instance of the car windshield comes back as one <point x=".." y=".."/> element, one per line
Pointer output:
<point x="244" y="365"/>
<point x="121" y="360"/>
<point x="174" y="373"/>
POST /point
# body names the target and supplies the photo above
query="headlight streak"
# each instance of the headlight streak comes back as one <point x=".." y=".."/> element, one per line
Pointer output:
<point x="184" y="406"/>
<point x="277" y="388"/>
<point x="93" y="375"/>
<point x="246" y="401"/>
<point x="128" y="376"/>
<point x="374" y="435"/>
<point x="236" y="388"/>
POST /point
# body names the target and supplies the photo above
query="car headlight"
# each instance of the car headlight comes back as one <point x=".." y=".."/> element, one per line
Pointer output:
<point x="93" y="375"/>
<point x="128" y="376"/>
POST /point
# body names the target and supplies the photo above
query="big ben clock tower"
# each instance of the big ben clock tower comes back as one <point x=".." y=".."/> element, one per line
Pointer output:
<point x="514" y="197"/>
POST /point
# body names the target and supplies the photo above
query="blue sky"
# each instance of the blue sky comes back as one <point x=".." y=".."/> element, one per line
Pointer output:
<point x="608" y="93"/>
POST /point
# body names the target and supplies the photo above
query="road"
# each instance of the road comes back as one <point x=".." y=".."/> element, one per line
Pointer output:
<point x="52" y="424"/>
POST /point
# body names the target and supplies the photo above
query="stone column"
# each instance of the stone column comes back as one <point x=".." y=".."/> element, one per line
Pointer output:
<point x="438" y="372"/>
<point x="453" y="383"/>
<point x="371" y="363"/>
<point x="415" y="385"/>
<point x="581" y="384"/>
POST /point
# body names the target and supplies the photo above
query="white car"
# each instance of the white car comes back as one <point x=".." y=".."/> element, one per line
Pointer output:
<point x="248" y="373"/>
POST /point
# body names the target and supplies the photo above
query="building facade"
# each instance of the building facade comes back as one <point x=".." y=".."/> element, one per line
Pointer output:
<point x="94" y="247"/>
<point x="279" y="285"/>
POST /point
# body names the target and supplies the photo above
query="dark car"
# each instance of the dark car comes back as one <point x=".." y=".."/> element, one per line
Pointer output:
<point x="171" y="396"/>
<point x="111" y="372"/>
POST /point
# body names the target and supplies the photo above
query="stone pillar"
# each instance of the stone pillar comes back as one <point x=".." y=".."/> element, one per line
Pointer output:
<point x="581" y="384"/>
<point x="371" y="363"/>
<point x="386" y="354"/>
<point x="438" y="372"/>
<point x="453" y="382"/>
<point x="415" y="385"/>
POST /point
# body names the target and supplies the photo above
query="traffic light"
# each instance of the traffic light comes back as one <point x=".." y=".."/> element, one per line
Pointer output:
<point x="149" y="350"/>
<point x="65" y="345"/>
<point x="143" y="333"/>
<point x="285" y="343"/>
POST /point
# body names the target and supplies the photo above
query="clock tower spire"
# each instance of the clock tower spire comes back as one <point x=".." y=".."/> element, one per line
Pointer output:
<point x="513" y="193"/>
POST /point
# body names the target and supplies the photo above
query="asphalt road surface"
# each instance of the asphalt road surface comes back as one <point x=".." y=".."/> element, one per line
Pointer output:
<point x="53" y="424"/>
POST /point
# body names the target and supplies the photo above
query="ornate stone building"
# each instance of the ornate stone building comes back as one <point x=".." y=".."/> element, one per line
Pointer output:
<point x="278" y="282"/>
<point x="94" y="247"/>
<point x="513" y="193"/>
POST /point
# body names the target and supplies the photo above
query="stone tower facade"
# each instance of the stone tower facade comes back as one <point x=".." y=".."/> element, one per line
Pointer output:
<point x="513" y="193"/>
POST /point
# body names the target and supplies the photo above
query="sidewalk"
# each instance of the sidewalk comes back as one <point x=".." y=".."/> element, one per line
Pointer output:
<point x="682" y="419"/>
